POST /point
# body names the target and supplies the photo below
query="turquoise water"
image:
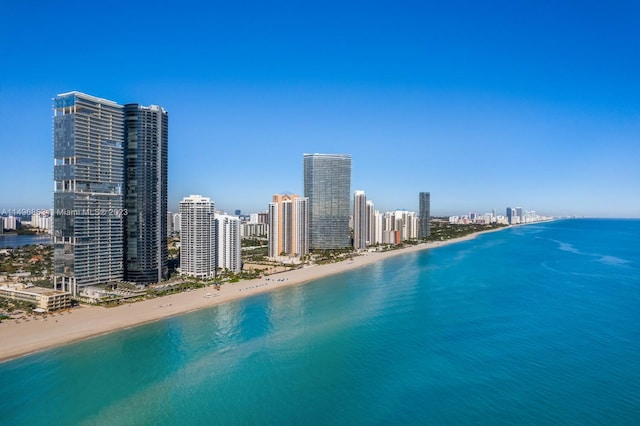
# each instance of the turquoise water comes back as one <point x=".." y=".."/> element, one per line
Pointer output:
<point x="532" y="325"/>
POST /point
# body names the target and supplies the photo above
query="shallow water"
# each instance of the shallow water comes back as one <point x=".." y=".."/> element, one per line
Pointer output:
<point x="532" y="325"/>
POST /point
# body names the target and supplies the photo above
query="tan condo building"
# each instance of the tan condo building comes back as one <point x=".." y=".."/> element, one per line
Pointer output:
<point x="288" y="225"/>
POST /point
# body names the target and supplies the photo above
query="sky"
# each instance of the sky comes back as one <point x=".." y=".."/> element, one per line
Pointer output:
<point x="483" y="104"/>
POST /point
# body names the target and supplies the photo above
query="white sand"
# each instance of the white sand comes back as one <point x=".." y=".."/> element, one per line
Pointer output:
<point x="24" y="337"/>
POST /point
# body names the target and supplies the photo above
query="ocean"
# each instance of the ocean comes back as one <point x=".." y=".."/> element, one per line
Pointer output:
<point x="533" y="325"/>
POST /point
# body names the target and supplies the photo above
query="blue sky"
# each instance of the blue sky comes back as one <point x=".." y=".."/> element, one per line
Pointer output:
<point x="484" y="104"/>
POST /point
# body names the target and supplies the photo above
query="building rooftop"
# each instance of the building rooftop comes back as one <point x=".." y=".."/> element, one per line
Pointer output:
<point x="30" y="288"/>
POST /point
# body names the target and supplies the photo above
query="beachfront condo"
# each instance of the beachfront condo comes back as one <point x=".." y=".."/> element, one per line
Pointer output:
<point x="88" y="138"/>
<point x="327" y="185"/>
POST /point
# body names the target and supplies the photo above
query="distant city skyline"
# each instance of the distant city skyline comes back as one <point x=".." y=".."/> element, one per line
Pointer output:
<point x="484" y="105"/>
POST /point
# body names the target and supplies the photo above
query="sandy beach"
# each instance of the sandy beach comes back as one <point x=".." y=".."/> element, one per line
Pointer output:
<point x="25" y="337"/>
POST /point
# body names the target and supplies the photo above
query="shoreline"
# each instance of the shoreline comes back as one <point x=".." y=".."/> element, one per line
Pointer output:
<point x="84" y="322"/>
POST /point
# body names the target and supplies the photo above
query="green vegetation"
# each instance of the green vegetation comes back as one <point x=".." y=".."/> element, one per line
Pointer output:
<point x="441" y="231"/>
<point x="255" y="255"/>
<point x="254" y="242"/>
<point x="9" y="305"/>
<point x="26" y="230"/>
<point x="255" y="250"/>
<point x="37" y="260"/>
<point x="322" y="257"/>
<point x="178" y="287"/>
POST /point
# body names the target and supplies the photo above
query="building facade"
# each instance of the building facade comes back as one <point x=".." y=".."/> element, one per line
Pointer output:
<point x="11" y="223"/>
<point x="88" y="152"/>
<point x="398" y="226"/>
<point x="228" y="246"/>
<point x="424" y="214"/>
<point x="43" y="298"/>
<point x="145" y="198"/>
<point x="197" y="239"/>
<point x="509" y="215"/>
<point x="519" y="214"/>
<point x="288" y="225"/>
<point x="360" y="220"/>
<point x="177" y="221"/>
<point x="327" y="185"/>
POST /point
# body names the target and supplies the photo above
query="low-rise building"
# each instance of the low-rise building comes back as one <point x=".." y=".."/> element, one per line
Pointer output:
<point x="43" y="298"/>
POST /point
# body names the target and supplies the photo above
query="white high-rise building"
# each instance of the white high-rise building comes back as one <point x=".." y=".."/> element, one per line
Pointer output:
<point x="377" y="227"/>
<point x="197" y="239"/>
<point x="177" y="224"/>
<point x="520" y="214"/>
<point x="371" y="223"/>
<point x="360" y="220"/>
<point x="398" y="226"/>
<point x="41" y="219"/>
<point x="10" y="223"/>
<point x="301" y="226"/>
<point x="228" y="242"/>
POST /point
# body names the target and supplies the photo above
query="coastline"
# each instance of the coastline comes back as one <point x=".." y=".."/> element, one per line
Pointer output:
<point x="59" y="329"/>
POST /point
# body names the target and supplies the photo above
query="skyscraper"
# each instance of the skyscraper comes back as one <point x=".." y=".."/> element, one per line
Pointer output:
<point x="425" y="215"/>
<point x="510" y="215"/>
<point x="327" y="184"/>
<point x="228" y="243"/>
<point x="197" y="237"/>
<point x="176" y="223"/>
<point x="376" y="224"/>
<point x="145" y="150"/>
<point x="288" y="225"/>
<point x="88" y="138"/>
<point x="170" y="231"/>
<point x="519" y="213"/>
<point x="360" y="220"/>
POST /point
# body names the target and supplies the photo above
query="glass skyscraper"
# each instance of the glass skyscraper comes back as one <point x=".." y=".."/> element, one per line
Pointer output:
<point x="145" y="151"/>
<point x="327" y="185"/>
<point x="88" y="138"/>
<point x="510" y="213"/>
<point x="424" y="215"/>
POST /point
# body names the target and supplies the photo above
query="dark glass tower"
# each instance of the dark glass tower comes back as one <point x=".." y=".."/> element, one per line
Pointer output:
<point x="87" y="198"/>
<point x="327" y="184"/>
<point x="510" y="215"/>
<point x="425" y="215"/>
<point x="145" y="150"/>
